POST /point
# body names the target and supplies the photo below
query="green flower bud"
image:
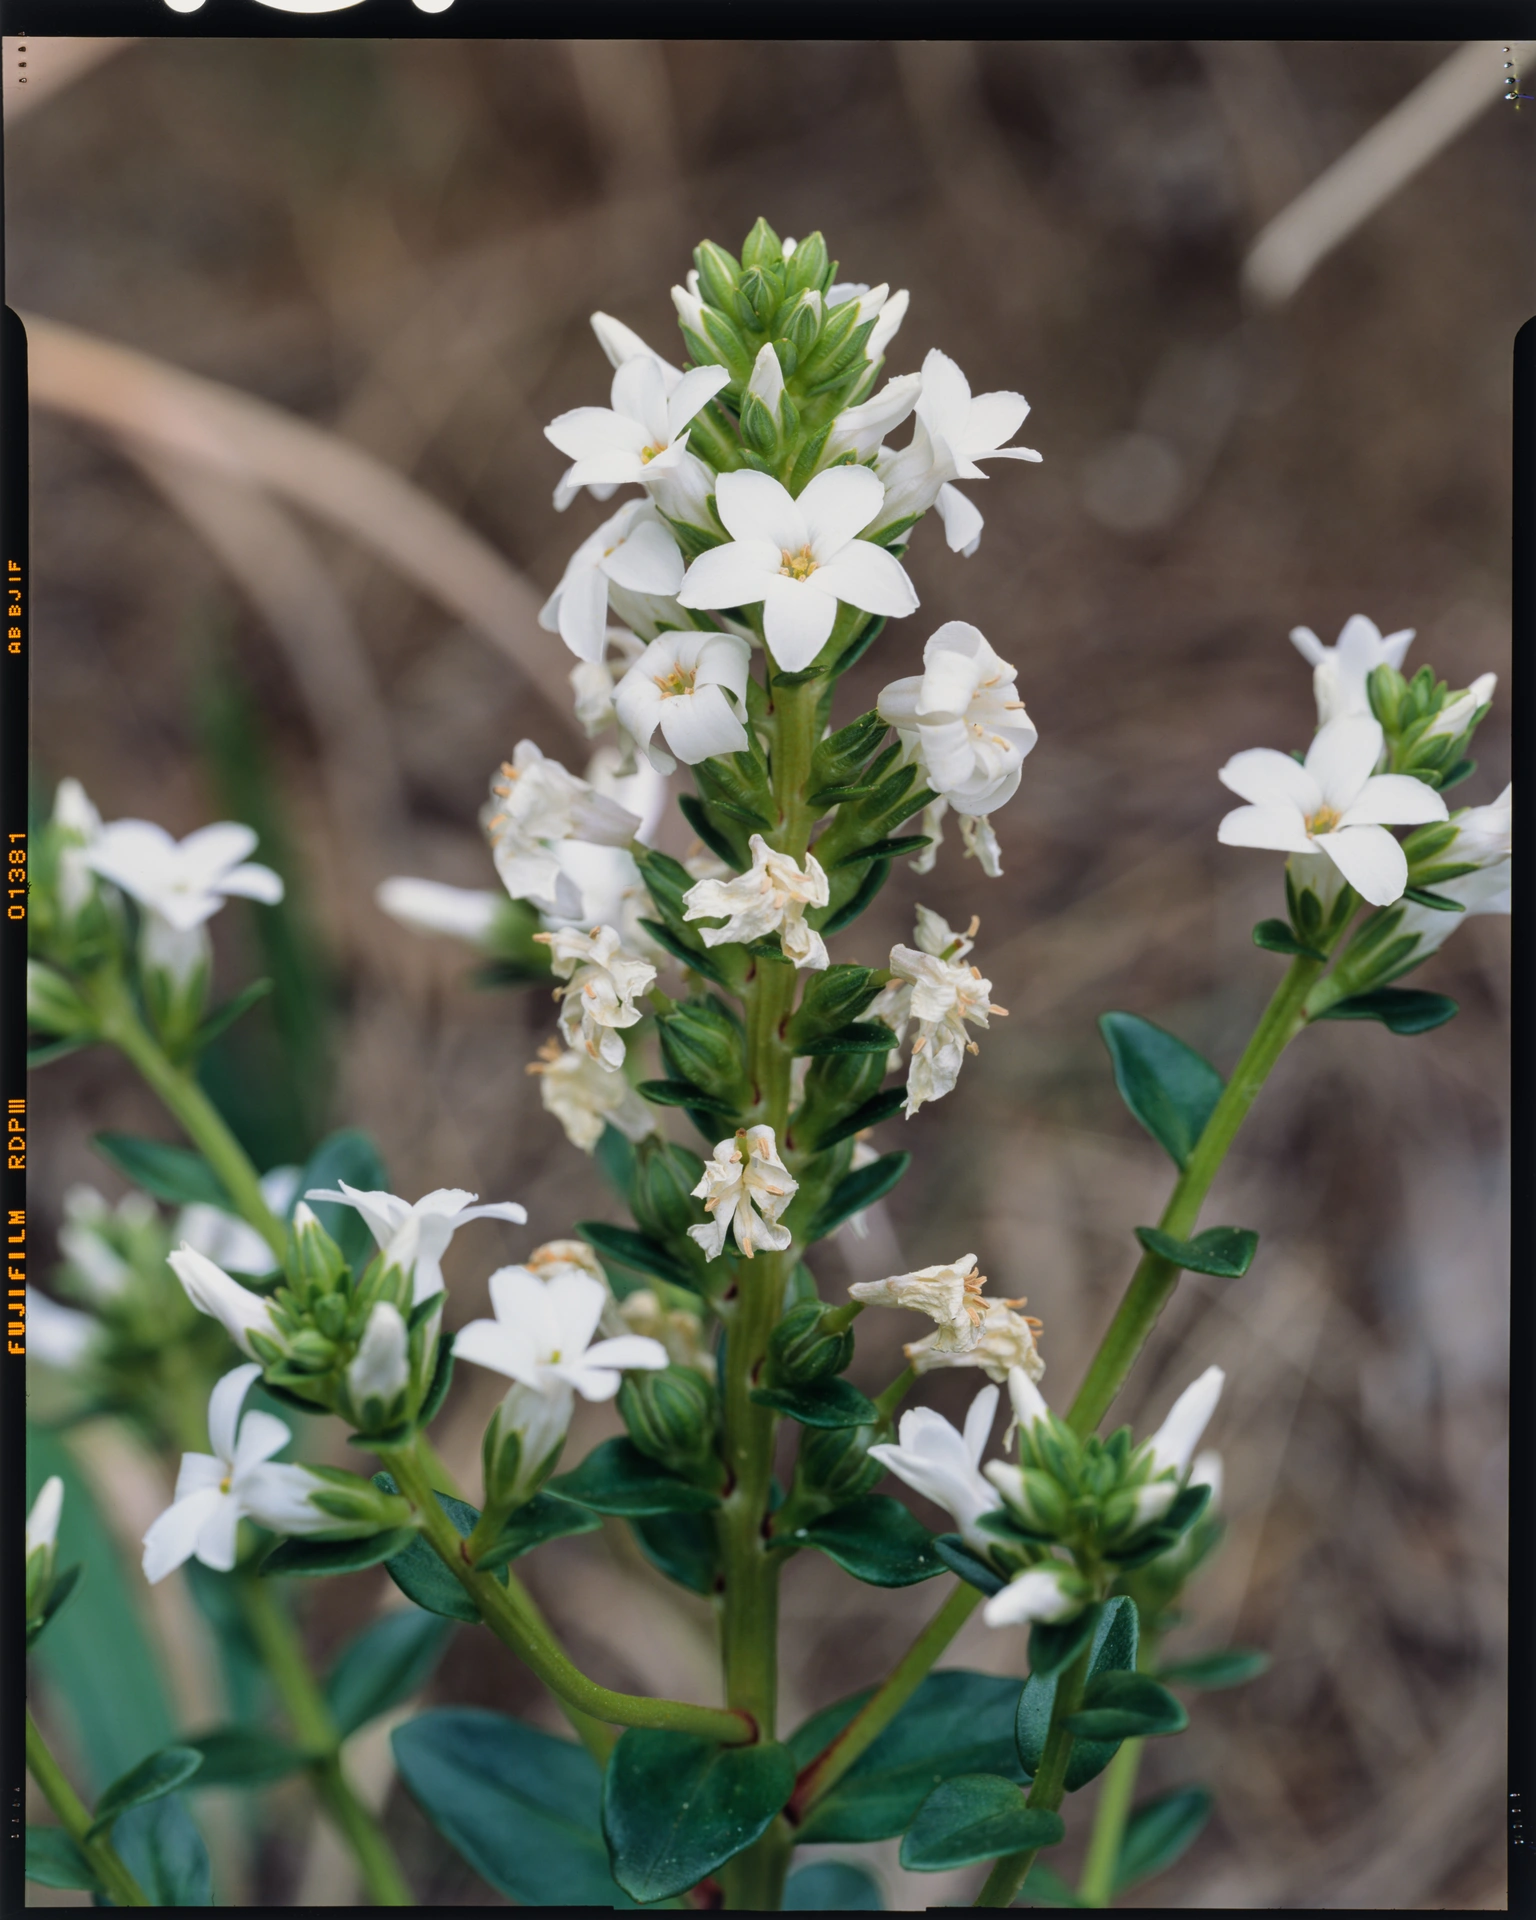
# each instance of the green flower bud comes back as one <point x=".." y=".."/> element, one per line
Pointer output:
<point x="800" y="1351"/>
<point x="808" y="268"/>
<point x="760" y="294"/>
<point x="719" y="274"/>
<point x="53" y="1006"/>
<point x="357" y="1506"/>
<point x="701" y="1043"/>
<point x="832" y="999"/>
<point x="660" y="1190"/>
<point x="762" y="247"/>
<point x="311" y="1351"/>
<point x="836" y="1084"/>
<point x="670" y="1415"/>
<point x="1043" y="1504"/>
<point x="800" y="327"/>
<point x="315" y="1265"/>
<point x="758" y="427"/>
<point x="835" y="1462"/>
<point x="522" y="1444"/>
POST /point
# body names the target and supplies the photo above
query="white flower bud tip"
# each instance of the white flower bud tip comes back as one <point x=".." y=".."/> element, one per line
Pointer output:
<point x="43" y="1520"/>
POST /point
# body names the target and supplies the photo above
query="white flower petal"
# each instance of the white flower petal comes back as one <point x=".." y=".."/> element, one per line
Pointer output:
<point x="1281" y="829"/>
<point x="868" y="577"/>
<point x="224" y="1405"/>
<point x="754" y="506"/>
<point x="837" y="505"/>
<point x="702" y="725"/>
<point x="1342" y="757"/>
<point x="1394" y="800"/>
<point x="172" y="1539"/>
<point x="1266" y="778"/>
<point x="732" y="576"/>
<point x="798" y="617"/>
<point x="1370" y="860"/>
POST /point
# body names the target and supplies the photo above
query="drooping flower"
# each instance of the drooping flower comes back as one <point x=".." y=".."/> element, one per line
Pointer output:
<point x="61" y="1337"/>
<point x="1040" y="1593"/>
<point x="1007" y="1340"/>
<point x="945" y="1466"/>
<point x="961" y="719"/>
<point x="416" y="1235"/>
<point x="952" y="432"/>
<point x="592" y="681"/>
<point x="746" y="1186"/>
<point x="602" y="981"/>
<point x="693" y="687"/>
<point x="644" y="432"/>
<point x="542" y="1336"/>
<point x="634" y="551"/>
<point x="185" y="882"/>
<point x="980" y="841"/>
<point x="770" y="897"/>
<point x="1332" y="804"/>
<point x="535" y="806"/>
<point x="860" y="430"/>
<point x="211" y="1290"/>
<point x="585" y="1096"/>
<point x="466" y="913"/>
<point x="949" y="1294"/>
<point x="944" y="996"/>
<point x="1340" y="672"/>
<point x="237" y="1481"/>
<point x="799" y="557"/>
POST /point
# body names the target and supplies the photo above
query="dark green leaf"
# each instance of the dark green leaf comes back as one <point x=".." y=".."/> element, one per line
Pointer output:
<point x="616" y="1477"/>
<point x="889" y="849"/>
<point x="845" y="915"/>
<point x="959" y="1558"/>
<point x="244" y="1756"/>
<point x="682" y="1093"/>
<point x="709" y="831"/>
<point x="956" y="1722"/>
<point x="1126" y="1706"/>
<point x="174" y="1174"/>
<point x="859" y="1036"/>
<point x="53" y="1860"/>
<point x="821" y="1403"/>
<point x="880" y="1107"/>
<point x="64" y="1585"/>
<point x="384" y="1665"/>
<point x="442" y="1378"/>
<point x="1462" y="770"/>
<point x="163" y="1850"/>
<point x="831" y="1000"/>
<point x="683" y="1546"/>
<point x="1160" y="1833"/>
<point x="876" y="1539"/>
<point x="832" y="1886"/>
<point x="1228" y="1668"/>
<point x="544" y="1517"/>
<point x="615" y="1157"/>
<point x="856" y="1191"/>
<point x="521" y="1806"/>
<point x="637" y="1250"/>
<point x="156" y="1775"/>
<point x="1399" y="1009"/>
<point x="1226" y="1252"/>
<point x="1275" y="936"/>
<point x="229" y="1013"/>
<point x="1114" y="1651"/>
<point x="338" y="1556"/>
<point x="41" y="1057"/>
<point x="699" y="958"/>
<point x="1439" y="902"/>
<point x="420" y="1574"/>
<point x="1054" y="1644"/>
<point x="975" y="1816"/>
<point x="675" y="1807"/>
<point x="1044" y="1888"/>
<point x="1169" y="1088"/>
<point x="348" y="1155"/>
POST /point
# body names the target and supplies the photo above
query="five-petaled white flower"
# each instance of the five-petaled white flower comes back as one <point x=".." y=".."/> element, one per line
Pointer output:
<point x="770" y="897"/>
<point x="1339" y="672"/>
<point x="183" y="882"/>
<point x="1333" y="803"/>
<point x="599" y="995"/>
<point x="693" y="687"/>
<point x="1040" y="1593"/>
<point x="1007" y="1340"/>
<point x="949" y="1294"/>
<point x="633" y="552"/>
<point x="211" y="1290"/>
<point x="427" y="906"/>
<point x="799" y="557"/>
<point x="944" y="1466"/>
<point x="237" y="1481"/>
<point x="860" y="430"/>
<point x="535" y="806"/>
<point x="416" y="1236"/>
<point x="643" y="434"/>
<point x="943" y="996"/>
<point x="542" y="1336"/>
<point x="953" y="430"/>
<point x="585" y="1096"/>
<point x="746" y="1186"/>
<point x="962" y="720"/>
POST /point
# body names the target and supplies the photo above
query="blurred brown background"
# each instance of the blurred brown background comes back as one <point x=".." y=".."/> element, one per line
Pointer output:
<point x="402" y="242"/>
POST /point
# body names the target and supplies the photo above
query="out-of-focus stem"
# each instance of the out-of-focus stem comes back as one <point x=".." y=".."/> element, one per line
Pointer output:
<point x="118" y="1883"/>
<point x="1109" y="1819"/>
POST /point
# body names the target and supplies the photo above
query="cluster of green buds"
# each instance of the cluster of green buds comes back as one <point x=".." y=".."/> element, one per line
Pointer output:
<point x="1428" y="727"/>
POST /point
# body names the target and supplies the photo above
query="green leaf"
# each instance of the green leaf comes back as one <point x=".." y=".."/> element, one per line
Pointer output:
<point x="544" y="1517"/>
<point x="683" y="1546"/>
<point x="1168" y="1087"/>
<point x="1054" y="1644"/>
<point x="384" y="1665"/>
<point x="349" y="1155"/>
<point x="174" y="1174"/>
<point x="856" y="1191"/>
<point x="616" y="1477"/>
<point x="520" y="1806"/>
<point x="956" y="1722"/>
<point x="442" y="1377"/>
<point x="832" y="1886"/>
<point x="959" y="1558"/>
<point x="53" y="1860"/>
<point x="710" y="832"/>
<point x="1044" y="1888"/>
<point x="878" y="1107"/>
<point x="975" y="1816"/>
<point x="675" y="1807"/>
<point x="1275" y="936"/>
<point x="1114" y="1651"/>
<point x="229" y="1013"/>
<point x="682" y="1093"/>
<point x="876" y="1539"/>
<point x="244" y="1757"/>
<point x="420" y="1574"/>
<point x="699" y="958"/>
<point x="1462" y="770"/>
<point x="1440" y="902"/>
<point x="1399" y="1009"/>
<point x="64" y="1585"/>
<point x="1126" y="1706"/>
<point x="163" y="1850"/>
<point x="156" y="1775"/>
<point x="1226" y="1252"/>
<point x="888" y="849"/>
<point x="637" y="1250"/>
<point x="845" y="915"/>
<point x="822" y="1403"/>
<point x="41" y="1057"/>
<point x="1229" y="1667"/>
<point x="316" y="1557"/>
<point x="1160" y="1833"/>
<point x="831" y="1000"/>
<point x="859" y="1036"/>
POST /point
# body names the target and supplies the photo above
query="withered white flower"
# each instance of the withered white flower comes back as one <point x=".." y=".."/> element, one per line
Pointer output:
<point x="746" y="1186"/>
<point x="691" y="686"/>
<point x="950" y="1295"/>
<point x="770" y="897"/>
<point x="602" y="981"/>
<point x="634" y="551"/>
<point x="585" y="1096"/>
<point x="1340" y="672"/>
<point x="535" y="805"/>
<point x="1008" y="1340"/>
<point x="944" y="995"/>
<point x="961" y="719"/>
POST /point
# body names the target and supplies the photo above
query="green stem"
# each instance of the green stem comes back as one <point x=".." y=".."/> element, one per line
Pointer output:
<point x="793" y="745"/>
<point x="1155" y="1278"/>
<point x="1049" y="1787"/>
<point x="1109" y="1821"/>
<point x="511" y="1616"/>
<point x="116" y="1881"/>
<point x="887" y="1402"/>
<point x="282" y="1653"/>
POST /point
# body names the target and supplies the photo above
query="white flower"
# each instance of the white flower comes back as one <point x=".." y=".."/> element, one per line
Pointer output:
<point x="682" y="492"/>
<point x="1173" y="1445"/>
<point x="540" y="1418"/>
<point x="1339" y="673"/>
<point x="467" y="913"/>
<point x="879" y="304"/>
<point x="1206" y="1471"/>
<point x="1026" y="1399"/>
<point x="215" y="1492"/>
<point x="799" y="557"/>
<point x="980" y="841"/>
<point x="183" y="882"/>
<point x="101" y="1268"/>
<point x="949" y="1294"/>
<point x="592" y="681"/>
<point x="228" y="1240"/>
<point x="416" y="1236"/>
<point x="43" y="1520"/>
<point x="943" y="1465"/>
<point x="944" y="995"/>
<point x="770" y="897"/>
<point x="542" y="1336"/>
<point x="859" y="430"/>
<point x="1007" y="1342"/>
<point x="645" y="431"/>
<point x="78" y="826"/>
<point x="1457" y="714"/>
<point x="634" y="550"/>
<point x="952" y="432"/>
<point x="1042" y="1593"/>
<point x="622" y="343"/>
<point x="60" y="1337"/>
<point x="934" y="935"/>
<point x="601" y="983"/>
<point x="690" y="308"/>
<point x="210" y="1289"/>
<point x="745" y="1189"/>
<point x="767" y="379"/>
<point x="1331" y="804"/>
<point x="535" y="805"/>
<point x="1487" y="890"/>
<point x="585" y="1096"/>
<point x="685" y="684"/>
<point x="962" y="720"/>
<point x="380" y="1369"/>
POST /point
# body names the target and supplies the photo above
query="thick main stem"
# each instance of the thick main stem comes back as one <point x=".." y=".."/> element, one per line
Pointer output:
<point x="1048" y="1789"/>
<point x="105" y="1862"/>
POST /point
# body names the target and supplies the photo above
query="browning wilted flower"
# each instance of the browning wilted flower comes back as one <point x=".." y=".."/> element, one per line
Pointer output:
<point x="949" y="1294"/>
<point x="585" y="1096"/>
<point x="746" y="1186"/>
<point x="602" y="981"/>
<point x="536" y="805"/>
<point x="1007" y="1340"/>
<point x="770" y="897"/>
<point x="943" y="995"/>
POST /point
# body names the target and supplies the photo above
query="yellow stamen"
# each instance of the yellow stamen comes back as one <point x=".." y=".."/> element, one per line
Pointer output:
<point x="797" y="566"/>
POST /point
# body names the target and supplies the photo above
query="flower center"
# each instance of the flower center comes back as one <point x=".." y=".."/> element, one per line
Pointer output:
<point x="798" y="566"/>
<point x="224" y="1483"/>
<point x="679" y="681"/>
<point x="1323" y="821"/>
<point x="648" y="454"/>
